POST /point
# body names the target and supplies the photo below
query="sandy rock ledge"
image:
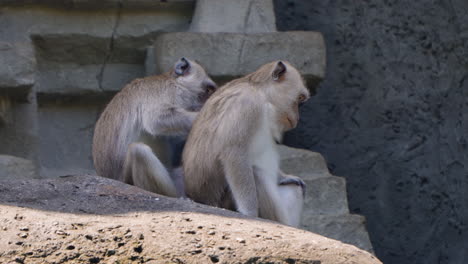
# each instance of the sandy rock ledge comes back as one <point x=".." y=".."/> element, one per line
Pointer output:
<point x="88" y="219"/>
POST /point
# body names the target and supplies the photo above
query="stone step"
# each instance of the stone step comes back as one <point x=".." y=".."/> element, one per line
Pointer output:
<point x="229" y="55"/>
<point x="17" y="69"/>
<point x="304" y="163"/>
<point x="80" y="53"/>
<point x="326" y="196"/>
<point x="325" y="206"/>
<point x="101" y="4"/>
<point x="347" y="228"/>
<point x="246" y="16"/>
<point x="22" y="22"/>
<point x="325" y="193"/>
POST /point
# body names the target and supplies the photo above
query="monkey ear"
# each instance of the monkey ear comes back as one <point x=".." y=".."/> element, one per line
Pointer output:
<point x="182" y="67"/>
<point x="279" y="71"/>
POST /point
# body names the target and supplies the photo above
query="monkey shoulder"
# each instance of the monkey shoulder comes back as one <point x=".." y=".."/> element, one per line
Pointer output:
<point x="237" y="118"/>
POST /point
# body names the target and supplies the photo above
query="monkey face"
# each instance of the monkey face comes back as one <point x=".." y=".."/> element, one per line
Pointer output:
<point x="209" y="87"/>
<point x="195" y="81"/>
<point x="288" y="93"/>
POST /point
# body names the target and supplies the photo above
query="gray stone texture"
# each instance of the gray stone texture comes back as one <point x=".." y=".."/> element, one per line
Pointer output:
<point x="67" y="58"/>
<point x="392" y="117"/>
<point x="12" y="167"/>
<point x="64" y="53"/>
<point x="18" y="131"/>
<point x="242" y="16"/>
<point x="347" y="228"/>
<point x="101" y="4"/>
<point x="80" y="51"/>
<point x="17" y="67"/>
<point x="66" y="135"/>
<point x="90" y="219"/>
<point x="227" y="55"/>
<point x="325" y="204"/>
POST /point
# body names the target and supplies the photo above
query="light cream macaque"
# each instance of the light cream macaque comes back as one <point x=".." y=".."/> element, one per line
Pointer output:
<point x="231" y="160"/>
<point x="130" y="141"/>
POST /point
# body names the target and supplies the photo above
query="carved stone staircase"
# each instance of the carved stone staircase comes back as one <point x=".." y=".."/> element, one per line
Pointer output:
<point x="62" y="60"/>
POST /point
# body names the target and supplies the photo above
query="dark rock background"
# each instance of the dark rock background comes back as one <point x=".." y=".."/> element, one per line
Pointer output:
<point x="392" y="117"/>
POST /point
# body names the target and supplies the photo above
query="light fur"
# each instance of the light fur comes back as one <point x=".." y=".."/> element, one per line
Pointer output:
<point x="130" y="141"/>
<point x="231" y="159"/>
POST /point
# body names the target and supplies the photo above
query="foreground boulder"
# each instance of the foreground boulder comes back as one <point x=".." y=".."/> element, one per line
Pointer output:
<point x="89" y="219"/>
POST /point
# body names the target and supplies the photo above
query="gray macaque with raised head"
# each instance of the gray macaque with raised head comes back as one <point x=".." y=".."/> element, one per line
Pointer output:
<point x="130" y="141"/>
<point x="231" y="159"/>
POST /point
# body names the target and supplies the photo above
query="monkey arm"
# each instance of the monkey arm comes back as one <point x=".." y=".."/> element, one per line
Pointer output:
<point x="240" y="177"/>
<point x="171" y="121"/>
<point x="238" y="128"/>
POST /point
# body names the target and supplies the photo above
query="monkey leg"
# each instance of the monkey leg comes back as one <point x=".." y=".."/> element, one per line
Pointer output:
<point x="292" y="197"/>
<point x="282" y="203"/>
<point x="143" y="169"/>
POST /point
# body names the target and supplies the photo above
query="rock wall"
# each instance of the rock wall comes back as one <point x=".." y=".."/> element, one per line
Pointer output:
<point x="392" y="117"/>
<point x="62" y="61"/>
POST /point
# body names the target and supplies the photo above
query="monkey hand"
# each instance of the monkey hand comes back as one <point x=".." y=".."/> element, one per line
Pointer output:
<point x="290" y="179"/>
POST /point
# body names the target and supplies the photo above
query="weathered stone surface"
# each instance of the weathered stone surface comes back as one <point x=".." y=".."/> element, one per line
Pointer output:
<point x="325" y="205"/>
<point x="17" y="67"/>
<point x="92" y="4"/>
<point x="347" y="228"/>
<point x="392" y="117"/>
<point x="75" y="79"/>
<point x="234" y="54"/>
<point x="303" y="163"/>
<point x="58" y="152"/>
<point x="16" y="168"/>
<point x="246" y="16"/>
<point x="19" y="23"/>
<point x="18" y="134"/>
<point x="326" y="195"/>
<point x="92" y="219"/>
<point x="84" y="52"/>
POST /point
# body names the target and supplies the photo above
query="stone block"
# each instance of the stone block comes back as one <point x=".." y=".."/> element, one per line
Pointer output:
<point x="347" y="228"/>
<point x="12" y="167"/>
<point x="101" y="4"/>
<point x="66" y="132"/>
<point x="326" y="196"/>
<point x="228" y="55"/>
<point x="303" y="163"/>
<point x="17" y="67"/>
<point x="245" y="16"/>
<point x="74" y="79"/>
<point x="18" y="132"/>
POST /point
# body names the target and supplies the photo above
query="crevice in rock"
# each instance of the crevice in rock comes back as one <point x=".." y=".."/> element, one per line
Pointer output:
<point x="247" y="16"/>
<point x="110" y="49"/>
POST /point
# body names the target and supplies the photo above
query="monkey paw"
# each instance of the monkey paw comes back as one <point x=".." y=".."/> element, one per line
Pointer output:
<point x="294" y="180"/>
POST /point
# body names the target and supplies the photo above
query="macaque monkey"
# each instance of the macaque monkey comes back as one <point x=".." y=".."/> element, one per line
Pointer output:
<point x="130" y="141"/>
<point x="231" y="160"/>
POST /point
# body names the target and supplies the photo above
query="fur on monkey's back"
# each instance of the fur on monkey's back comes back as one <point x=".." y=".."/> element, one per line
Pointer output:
<point x="122" y="117"/>
<point x="227" y="121"/>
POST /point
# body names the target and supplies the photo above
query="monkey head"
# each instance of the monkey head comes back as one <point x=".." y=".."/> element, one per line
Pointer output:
<point x="194" y="81"/>
<point x="285" y="90"/>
